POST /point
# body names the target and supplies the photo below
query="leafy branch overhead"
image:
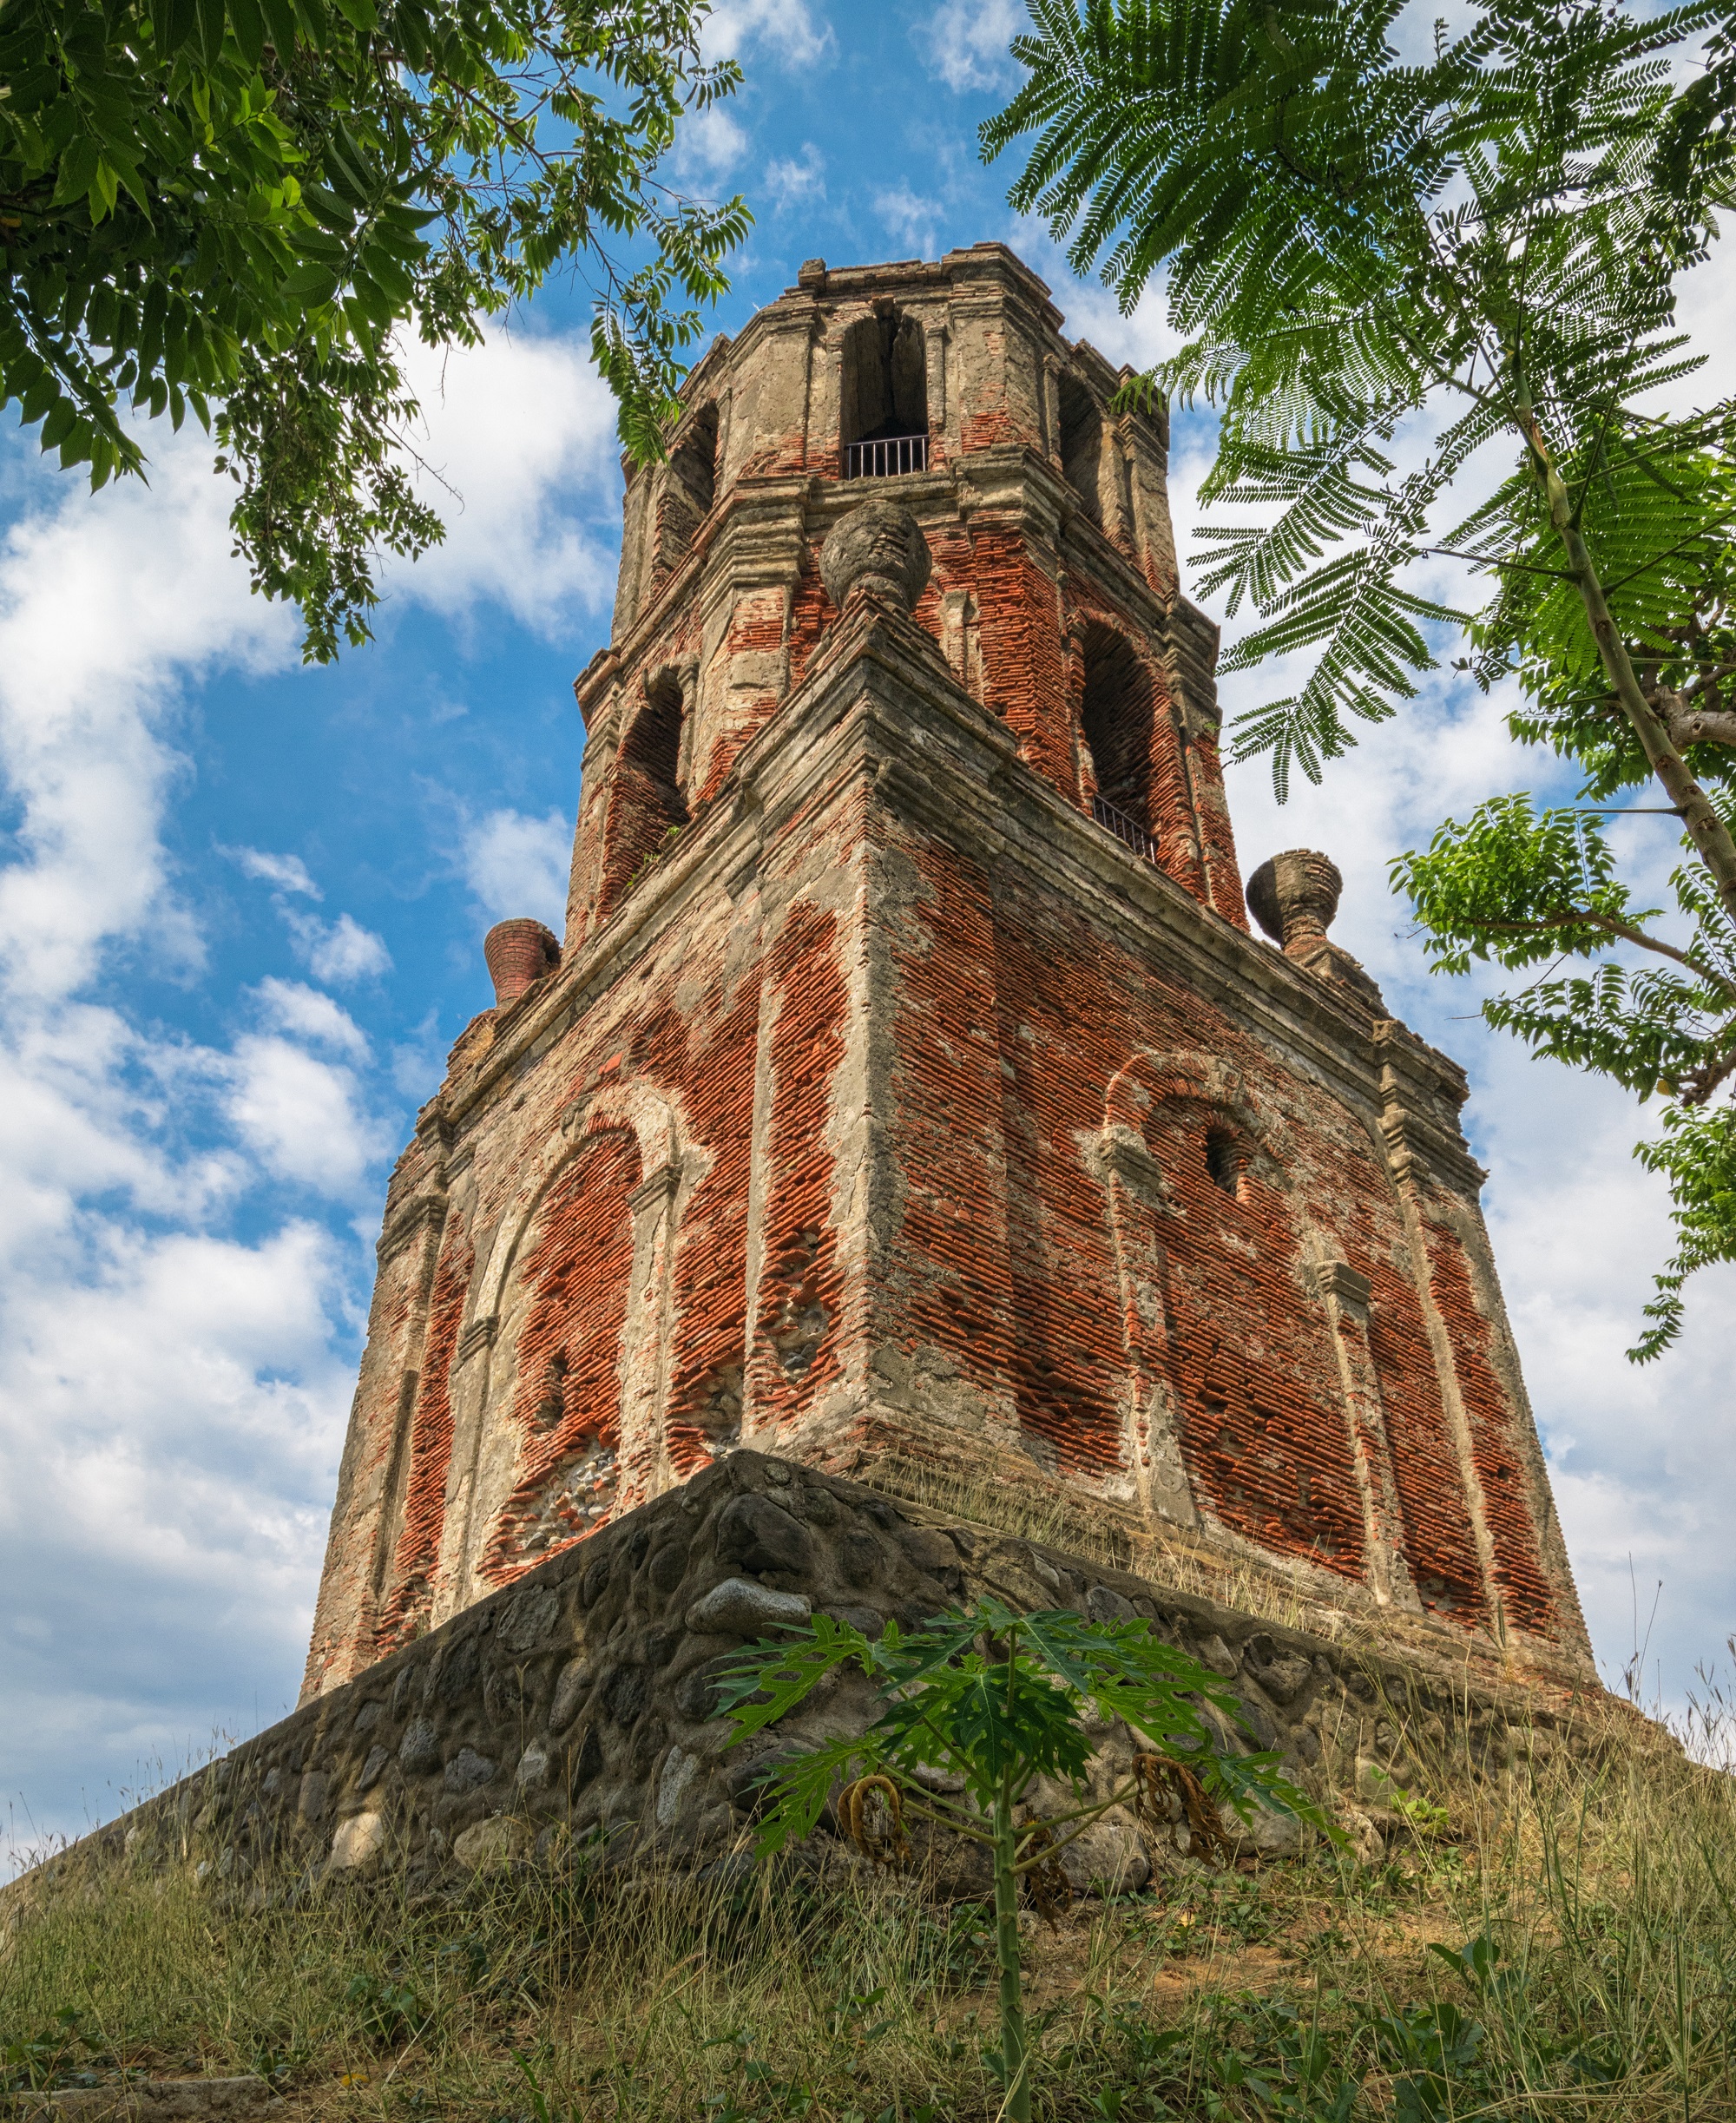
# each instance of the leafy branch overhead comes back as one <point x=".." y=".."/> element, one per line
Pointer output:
<point x="240" y="208"/>
<point x="1402" y="283"/>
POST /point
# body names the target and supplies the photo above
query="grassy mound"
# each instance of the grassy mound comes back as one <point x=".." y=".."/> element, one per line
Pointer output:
<point x="1561" y="1943"/>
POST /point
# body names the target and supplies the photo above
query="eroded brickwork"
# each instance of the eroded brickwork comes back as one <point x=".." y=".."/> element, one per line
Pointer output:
<point x="911" y="1090"/>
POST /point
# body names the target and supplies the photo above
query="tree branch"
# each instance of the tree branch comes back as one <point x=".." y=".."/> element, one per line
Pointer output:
<point x="1576" y="917"/>
<point x="1691" y="726"/>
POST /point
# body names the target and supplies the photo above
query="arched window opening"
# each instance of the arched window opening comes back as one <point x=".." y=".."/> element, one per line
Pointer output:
<point x="882" y="409"/>
<point x="1082" y="445"/>
<point x="1226" y="1160"/>
<point x="693" y="463"/>
<point x="1117" y="716"/>
<point x="688" y="490"/>
<point x="653" y="748"/>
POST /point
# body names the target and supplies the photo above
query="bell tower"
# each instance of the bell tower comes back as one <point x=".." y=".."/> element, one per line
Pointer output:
<point x="909" y="1095"/>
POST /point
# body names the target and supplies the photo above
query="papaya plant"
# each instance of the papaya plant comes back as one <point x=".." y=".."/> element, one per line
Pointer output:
<point x="990" y="1701"/>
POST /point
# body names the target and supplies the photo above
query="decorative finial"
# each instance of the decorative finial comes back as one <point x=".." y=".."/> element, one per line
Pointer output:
<point x="812" y="274"/>
<point x="879" y="548"/>
<point x="519" y="953"/>
<point x="1293" y="896"/>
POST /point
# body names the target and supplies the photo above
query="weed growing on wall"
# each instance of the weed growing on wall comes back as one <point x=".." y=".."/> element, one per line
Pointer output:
<point x="997" y="1701"/>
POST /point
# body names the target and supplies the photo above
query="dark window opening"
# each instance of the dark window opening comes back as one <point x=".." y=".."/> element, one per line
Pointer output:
<point x="688" y="487"/>
<point x="653" y="748"/>
<point x="1117" y="717"/>
<point x="694" y="463"/>
<point x="1082" y="444"/>
<point x="882" y="403"/>
<point x="1225" y="1160"/>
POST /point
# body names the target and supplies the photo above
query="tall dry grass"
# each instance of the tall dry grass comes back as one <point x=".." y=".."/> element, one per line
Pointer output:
<point x="1557" y="1941"/>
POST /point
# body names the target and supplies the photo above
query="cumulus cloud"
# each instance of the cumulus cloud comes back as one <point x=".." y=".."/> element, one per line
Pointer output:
<point x="517" y="865"/>
<point x="299" y="1115"/>
<point x="966" y="42"/>
<point x="170" y="1422"/>
<point x="102" y="602"/>
<point x="521" y="444"/>
<point x="709" y="145"/>
<point x="787" y="32"/>
<point x="305" y="1013"/>
<point x="796" y="181"/>
<point x="342" y="951"/>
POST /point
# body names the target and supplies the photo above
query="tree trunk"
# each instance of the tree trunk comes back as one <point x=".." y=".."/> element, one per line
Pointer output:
<point x="1704" y="828"/>
<point x="1013" y="2051"/>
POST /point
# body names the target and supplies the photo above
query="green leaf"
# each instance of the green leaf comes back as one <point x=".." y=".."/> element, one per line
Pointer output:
<point x="310" y="285"/>
<point x="173" y="22"/>
<point x="59" y="424"/>
<point x="210" y="16"/>
<point x="78" y="168"/>
<point x="247" y="20"/>
<point x="327" y="208"/>
<point x="104" y="190"/>
<point x="280" y="23"/>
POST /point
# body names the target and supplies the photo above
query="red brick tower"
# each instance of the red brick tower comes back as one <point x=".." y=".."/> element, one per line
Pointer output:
<point x="910" y="1095"/>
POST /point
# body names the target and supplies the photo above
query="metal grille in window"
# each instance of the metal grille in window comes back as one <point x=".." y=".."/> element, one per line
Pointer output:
<point x="885" y="459"/>
<point x="1128" y="831"/>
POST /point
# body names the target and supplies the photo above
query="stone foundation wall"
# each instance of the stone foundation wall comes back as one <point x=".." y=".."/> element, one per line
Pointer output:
<point x="581" y="1699"/>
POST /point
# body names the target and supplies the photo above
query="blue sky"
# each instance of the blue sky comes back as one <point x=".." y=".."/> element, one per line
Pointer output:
<point x="241" y="906"/>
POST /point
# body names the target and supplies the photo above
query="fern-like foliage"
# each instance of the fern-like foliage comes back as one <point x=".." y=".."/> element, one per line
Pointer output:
<point x="1482" y="247"/>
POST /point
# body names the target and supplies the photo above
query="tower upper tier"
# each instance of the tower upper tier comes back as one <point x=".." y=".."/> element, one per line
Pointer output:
<point x="1054" y="592"/>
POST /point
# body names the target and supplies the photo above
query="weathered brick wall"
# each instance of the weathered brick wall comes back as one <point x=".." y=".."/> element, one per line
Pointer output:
<point x="890" y="1105"/>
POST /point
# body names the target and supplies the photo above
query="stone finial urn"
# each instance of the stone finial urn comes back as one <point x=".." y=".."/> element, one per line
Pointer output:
<point x="1293" y="896"/>
<point x="877" y="549"/>
<point x="519" y="952"/>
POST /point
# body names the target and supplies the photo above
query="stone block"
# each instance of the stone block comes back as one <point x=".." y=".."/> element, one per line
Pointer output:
<point x="491" y="1846"/>
<point x="740" y="1607"/>
<point x="357" y="1844"/>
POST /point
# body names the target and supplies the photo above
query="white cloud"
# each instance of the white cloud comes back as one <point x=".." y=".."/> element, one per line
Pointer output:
<point x="709" y="145"/>
<point x="102" y="602"/>
<point x="305" y="1013"/>
<point x="300" y="1115"/>
<point x="787" y="32"/>
<point x="288" y="872"/>
<point x="522" y="430"/>
<point x="170" y="1420"/>
<point x="342" y="950"/>
<point x="516" y="865"/>
<point x="966" y="42"/>
<point x="911" y="219"/>
<point x="797" y="180"/>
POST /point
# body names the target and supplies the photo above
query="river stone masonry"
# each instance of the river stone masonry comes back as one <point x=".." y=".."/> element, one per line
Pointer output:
<point x="580" y="1701"/>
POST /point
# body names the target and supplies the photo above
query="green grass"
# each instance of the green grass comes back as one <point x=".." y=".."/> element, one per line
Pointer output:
<point x="1563" y="1946"/>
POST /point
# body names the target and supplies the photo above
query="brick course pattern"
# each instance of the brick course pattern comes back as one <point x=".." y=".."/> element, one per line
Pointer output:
<point x="884" y="1110"/>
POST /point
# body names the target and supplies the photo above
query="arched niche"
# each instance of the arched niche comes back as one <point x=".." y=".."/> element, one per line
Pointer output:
<point x="1118" y="722"/>
<point x="551" y="1469"/>
<point x="686" y="490"/>
<point x="1228" y="1343"/>
<point x="883" y="387"/>
<point x="574" y="1308"/>
<point x="1082" y="445"/>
